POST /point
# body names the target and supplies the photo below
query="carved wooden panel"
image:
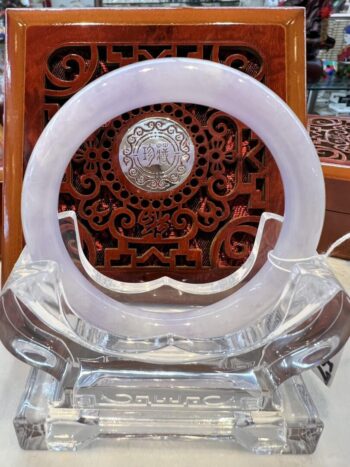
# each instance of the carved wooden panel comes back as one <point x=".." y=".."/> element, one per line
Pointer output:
<point x="203" y="227"/>
<point x="331" y="137"/>
<point x="206" y="224"/>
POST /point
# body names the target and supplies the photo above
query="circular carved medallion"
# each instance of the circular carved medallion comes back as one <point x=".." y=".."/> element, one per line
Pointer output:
<point x="156" y="154"/>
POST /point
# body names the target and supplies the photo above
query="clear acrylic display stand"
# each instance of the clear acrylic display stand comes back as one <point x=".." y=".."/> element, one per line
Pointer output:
<point x="245" y="386"/>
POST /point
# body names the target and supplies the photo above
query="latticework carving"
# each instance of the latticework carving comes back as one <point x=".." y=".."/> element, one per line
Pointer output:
<point x="331" y="137"/>
<point x="201" y="230"/>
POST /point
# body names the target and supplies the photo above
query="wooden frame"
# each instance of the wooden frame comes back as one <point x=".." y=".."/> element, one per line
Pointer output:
<point x="22" y="23"/>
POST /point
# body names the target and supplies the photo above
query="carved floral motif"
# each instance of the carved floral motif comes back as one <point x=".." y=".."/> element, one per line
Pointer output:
<point x="201" y="227"/>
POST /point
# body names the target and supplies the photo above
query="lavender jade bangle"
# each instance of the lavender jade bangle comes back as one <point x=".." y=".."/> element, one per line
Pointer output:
<point x="188" y="81"/>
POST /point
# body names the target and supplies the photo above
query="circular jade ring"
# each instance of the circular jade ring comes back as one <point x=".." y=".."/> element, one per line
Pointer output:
<point x="187" y="81"/>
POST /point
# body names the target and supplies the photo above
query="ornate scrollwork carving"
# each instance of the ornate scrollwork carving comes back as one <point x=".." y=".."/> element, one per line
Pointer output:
<point x="331" y="137"/>
<point x="196" y="223"/>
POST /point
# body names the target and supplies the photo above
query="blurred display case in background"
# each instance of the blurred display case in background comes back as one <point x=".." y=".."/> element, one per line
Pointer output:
<point x="331" y="94"/>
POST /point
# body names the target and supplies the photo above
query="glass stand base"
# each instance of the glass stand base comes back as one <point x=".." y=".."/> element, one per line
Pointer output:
<point x="240" y="407"/>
